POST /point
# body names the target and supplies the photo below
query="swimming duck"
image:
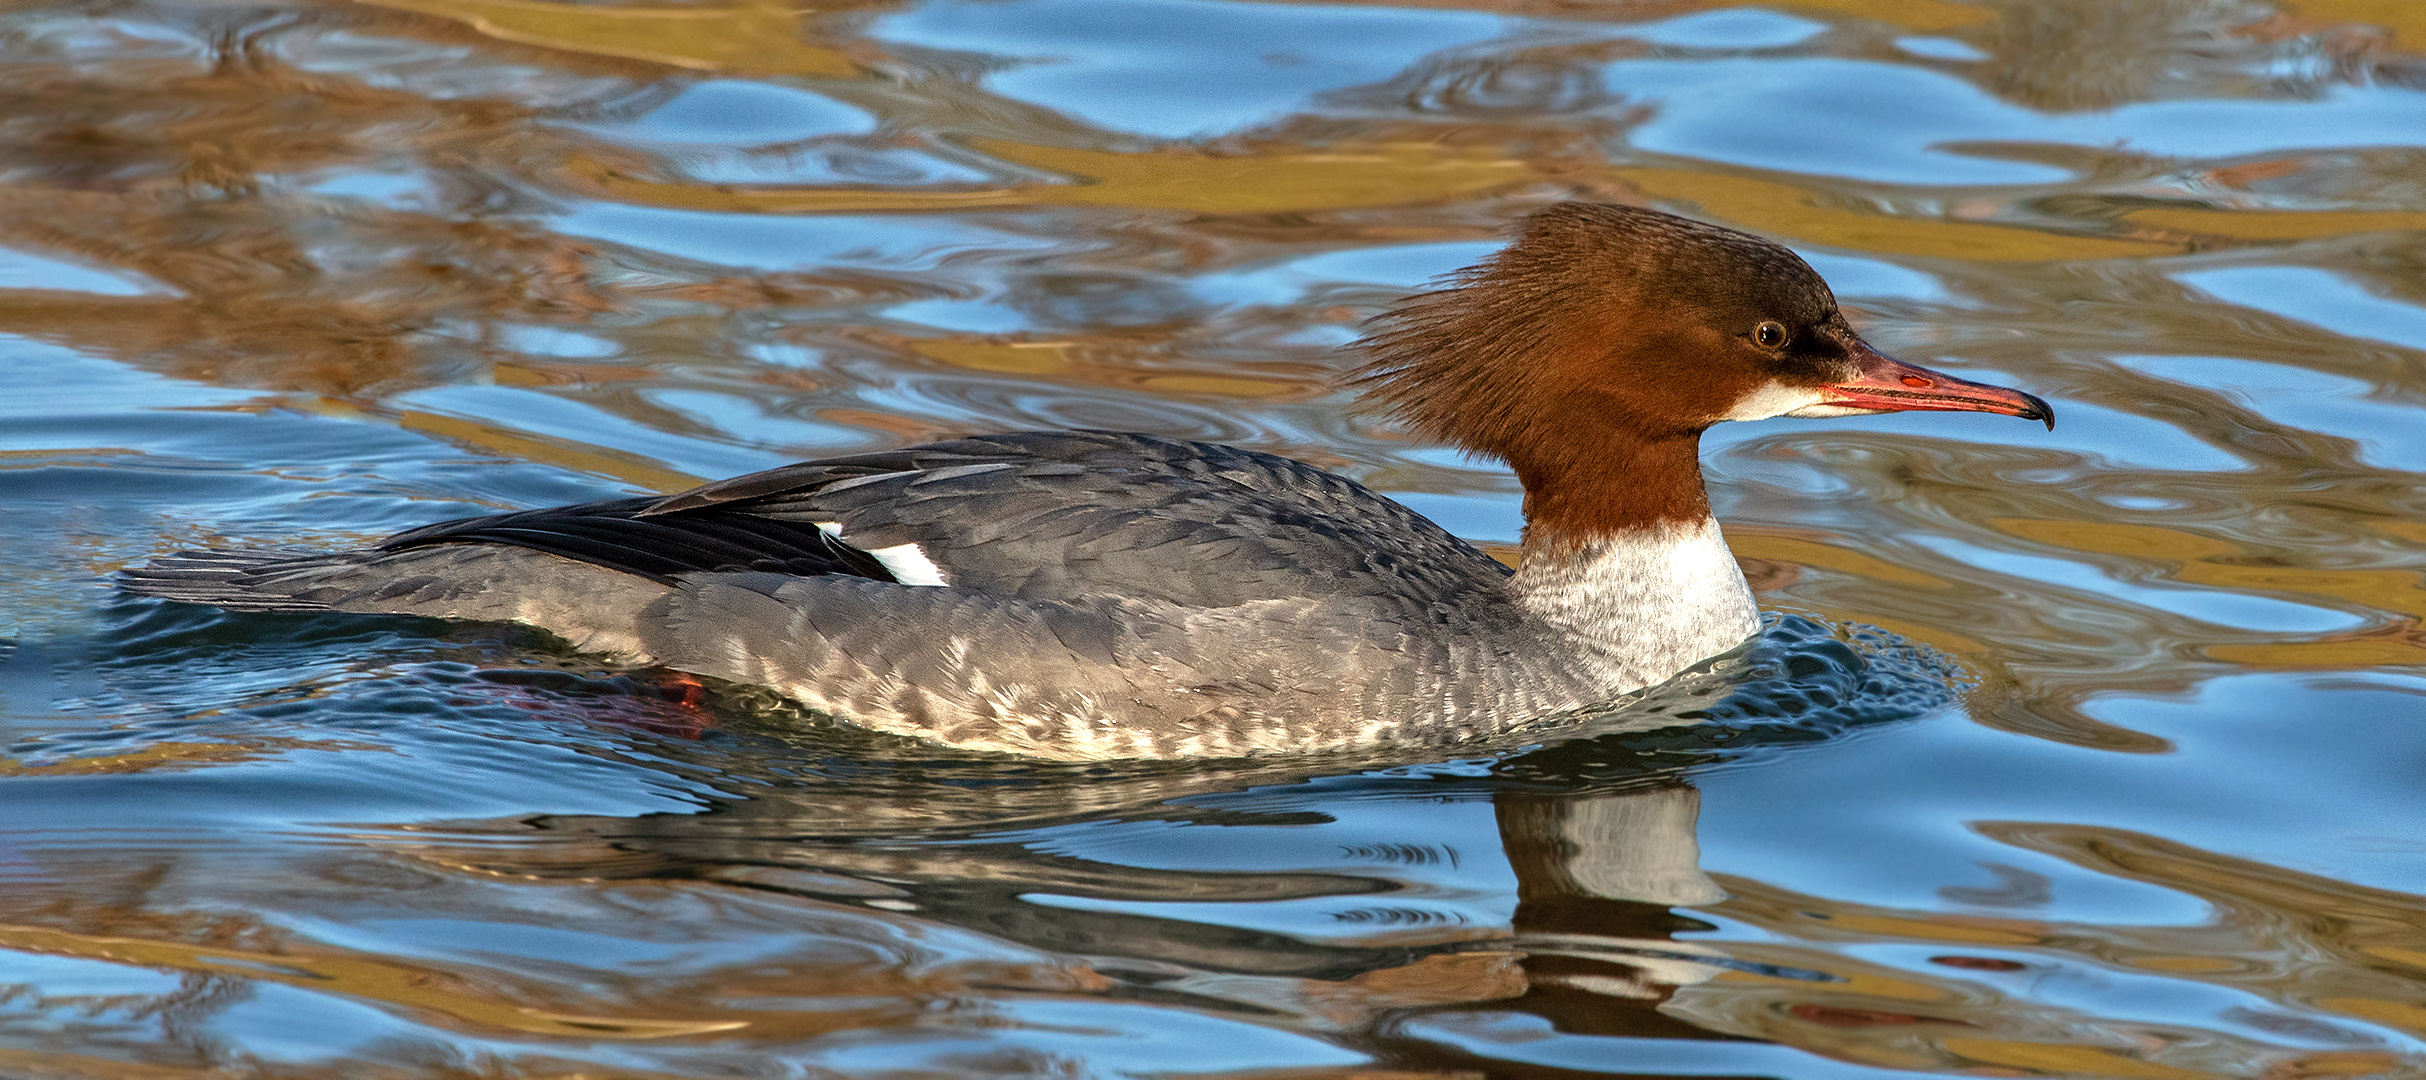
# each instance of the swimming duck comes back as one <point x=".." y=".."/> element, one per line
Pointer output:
<point x="1097" y="594"/>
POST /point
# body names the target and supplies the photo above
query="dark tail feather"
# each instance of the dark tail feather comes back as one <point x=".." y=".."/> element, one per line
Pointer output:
<point x="253" y="579"/>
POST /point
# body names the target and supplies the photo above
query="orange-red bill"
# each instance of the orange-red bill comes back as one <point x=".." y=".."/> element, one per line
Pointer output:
<point x="1887" y="384"/>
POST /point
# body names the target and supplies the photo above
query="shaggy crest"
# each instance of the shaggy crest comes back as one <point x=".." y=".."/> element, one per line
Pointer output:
<point x="1481" y="361"/>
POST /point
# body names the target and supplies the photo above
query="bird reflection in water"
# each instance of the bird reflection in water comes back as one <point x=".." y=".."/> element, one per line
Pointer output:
<point x="1600" y="879"/>
<point x="1558" y="880"/>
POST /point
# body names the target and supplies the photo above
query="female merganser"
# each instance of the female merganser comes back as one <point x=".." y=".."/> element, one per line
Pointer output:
<point x="1092" y="594"/>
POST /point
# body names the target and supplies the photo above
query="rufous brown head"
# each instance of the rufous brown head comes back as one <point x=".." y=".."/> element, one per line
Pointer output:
<point x="1593" y="351"/>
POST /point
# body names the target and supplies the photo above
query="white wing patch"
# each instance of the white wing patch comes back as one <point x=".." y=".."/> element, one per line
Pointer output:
<point x="905" y="562"/>
<point x="909" y="565"/>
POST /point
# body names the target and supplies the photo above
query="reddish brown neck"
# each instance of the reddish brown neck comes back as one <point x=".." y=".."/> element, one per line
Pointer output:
<point x="1606" y="483"/>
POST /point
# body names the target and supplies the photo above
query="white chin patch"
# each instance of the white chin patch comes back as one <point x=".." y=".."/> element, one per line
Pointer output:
<point x="1818" y="412"/>
<point x="1778" y="399"/>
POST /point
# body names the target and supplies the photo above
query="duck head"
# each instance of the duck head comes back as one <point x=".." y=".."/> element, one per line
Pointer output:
<point x="1592" y="352"/>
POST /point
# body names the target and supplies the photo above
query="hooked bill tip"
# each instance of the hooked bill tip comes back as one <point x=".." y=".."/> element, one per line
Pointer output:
<point x="2039" y="410"/>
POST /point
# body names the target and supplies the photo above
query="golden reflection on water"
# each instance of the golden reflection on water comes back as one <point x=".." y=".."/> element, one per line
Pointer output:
<point x="2270" y="937"/>
<point x="450" y="219"/>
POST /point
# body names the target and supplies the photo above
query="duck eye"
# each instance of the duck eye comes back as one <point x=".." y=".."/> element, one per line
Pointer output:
<point x="1769" y="335"/>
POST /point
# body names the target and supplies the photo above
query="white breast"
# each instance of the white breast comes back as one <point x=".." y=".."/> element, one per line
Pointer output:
<point x="1647" y="604"/>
